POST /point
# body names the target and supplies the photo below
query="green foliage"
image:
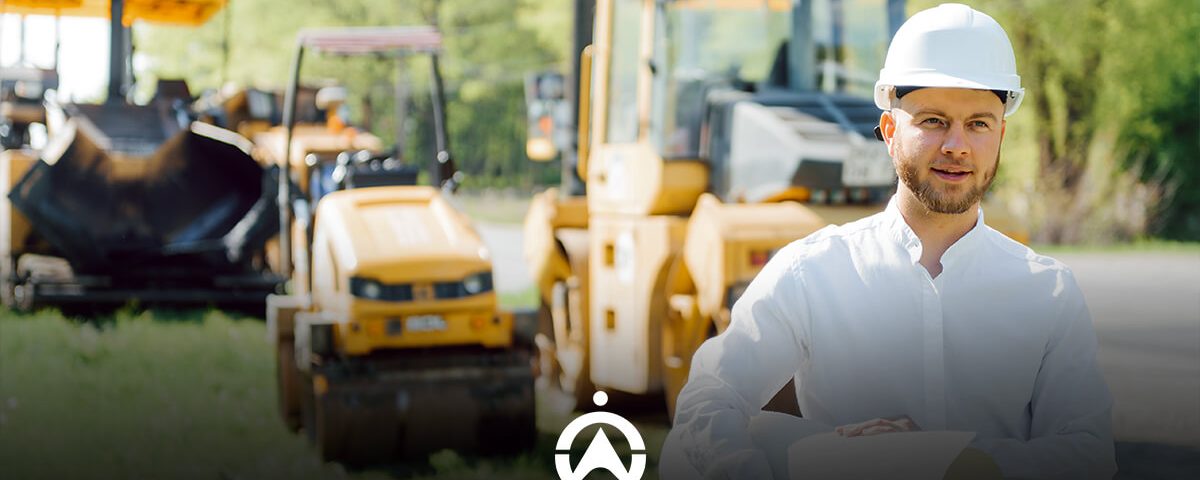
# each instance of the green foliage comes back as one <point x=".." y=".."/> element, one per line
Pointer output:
<point x="1106" y="139"/>
<point x="489" y="48"/>
<point x="1159" y="105"/>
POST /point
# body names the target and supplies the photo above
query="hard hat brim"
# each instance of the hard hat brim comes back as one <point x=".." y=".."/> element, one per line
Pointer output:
<point x="885" y="87"/>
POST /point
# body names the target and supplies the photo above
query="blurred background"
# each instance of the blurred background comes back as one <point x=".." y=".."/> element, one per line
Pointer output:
<point x="1100" y="169"/>
<point x="1106" y="151"/>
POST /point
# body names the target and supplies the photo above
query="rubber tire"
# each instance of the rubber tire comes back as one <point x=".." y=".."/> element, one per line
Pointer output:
<point x="672" y="384"/>
<point x="328" y="429"/>
<point x="318" y="422"/>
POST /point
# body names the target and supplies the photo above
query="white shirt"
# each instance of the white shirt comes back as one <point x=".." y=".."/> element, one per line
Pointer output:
<point x="1000" y="343"/>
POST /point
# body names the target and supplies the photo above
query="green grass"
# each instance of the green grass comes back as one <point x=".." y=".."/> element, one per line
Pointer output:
<point x="494" y="206"/>
<point x="183" y="395"/>
<point x="524" y="299"/>
<point x="143" y="396"/>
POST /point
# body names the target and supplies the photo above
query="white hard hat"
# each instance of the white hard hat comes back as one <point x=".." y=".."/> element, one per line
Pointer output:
<point x="951" y="45"/>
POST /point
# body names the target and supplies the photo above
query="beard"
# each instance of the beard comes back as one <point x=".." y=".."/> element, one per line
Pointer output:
<point x="950" y="200"/>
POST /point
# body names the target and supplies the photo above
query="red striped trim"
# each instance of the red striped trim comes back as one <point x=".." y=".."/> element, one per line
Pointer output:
<point x="372" y="39"/>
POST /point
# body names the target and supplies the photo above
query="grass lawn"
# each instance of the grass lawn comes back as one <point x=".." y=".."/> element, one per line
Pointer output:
<point x="186" y="395"/>
<point x="494" y="206"/>
<point x="182" y="395"/>
<point x="524" y="299"/>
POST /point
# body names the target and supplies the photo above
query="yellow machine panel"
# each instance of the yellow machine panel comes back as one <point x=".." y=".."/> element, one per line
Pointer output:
<point x="633" y="180"/>
<point x="388" y="331"/>
<point x="13" y="165"/>
<point x="379" y="227"/>
<point x="547" y="214"/>
<point x="727" y="244"/>
<point x="179" y="12"/>
<point x="390" y="266"/>
<point x="630" y="259"/>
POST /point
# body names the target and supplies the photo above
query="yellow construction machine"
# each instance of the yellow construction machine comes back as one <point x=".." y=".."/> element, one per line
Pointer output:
<point x="391" y="343"/>
<point x="710" y="133"/>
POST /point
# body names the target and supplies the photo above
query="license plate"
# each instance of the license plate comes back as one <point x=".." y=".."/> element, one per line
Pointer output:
<point x="425" y="323"/>
<point x="868" y="166"/>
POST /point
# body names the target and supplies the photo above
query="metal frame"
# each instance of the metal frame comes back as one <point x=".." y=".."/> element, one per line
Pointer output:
<point x="350" y="41"/>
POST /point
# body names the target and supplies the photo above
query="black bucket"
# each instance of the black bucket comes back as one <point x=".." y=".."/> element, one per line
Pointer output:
<point x="199" y="204"/>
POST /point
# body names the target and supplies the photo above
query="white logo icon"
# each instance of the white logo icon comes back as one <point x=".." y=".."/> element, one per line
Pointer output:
<point x="600" y="453"/>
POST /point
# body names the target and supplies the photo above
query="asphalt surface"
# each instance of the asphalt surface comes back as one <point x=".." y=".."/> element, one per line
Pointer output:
<point x="509" y="272"/>
<point x="1146" y="310"/>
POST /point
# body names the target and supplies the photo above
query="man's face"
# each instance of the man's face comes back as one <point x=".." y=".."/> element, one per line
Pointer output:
<point x="945" y="144"/>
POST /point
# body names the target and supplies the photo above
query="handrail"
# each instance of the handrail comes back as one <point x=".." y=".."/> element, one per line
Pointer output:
<point x="585" y="112"/>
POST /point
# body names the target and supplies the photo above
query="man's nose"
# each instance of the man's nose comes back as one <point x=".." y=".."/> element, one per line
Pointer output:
<point x="954" y="145"/>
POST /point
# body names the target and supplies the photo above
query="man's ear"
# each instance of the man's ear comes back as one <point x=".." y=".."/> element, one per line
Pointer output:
<point x="887" y="128"/>
<point x="1003" y="124"/>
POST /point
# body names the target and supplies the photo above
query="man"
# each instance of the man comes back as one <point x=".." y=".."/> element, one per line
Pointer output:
<point x="920" y="317"/>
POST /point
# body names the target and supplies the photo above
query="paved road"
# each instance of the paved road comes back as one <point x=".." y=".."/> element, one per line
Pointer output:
<point x="1146" y="308"/>
<point x="508" y="264"/>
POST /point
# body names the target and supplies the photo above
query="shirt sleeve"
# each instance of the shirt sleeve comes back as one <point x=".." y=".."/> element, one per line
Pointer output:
<point x="1071" y="407"/>
<point x="737" y="372"/>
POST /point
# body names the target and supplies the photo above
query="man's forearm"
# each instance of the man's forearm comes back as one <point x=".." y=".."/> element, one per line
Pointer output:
<point x="713" y="431"/>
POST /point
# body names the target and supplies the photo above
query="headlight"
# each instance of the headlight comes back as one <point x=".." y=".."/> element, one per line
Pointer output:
<point x="478" y="283"/>
<point x="374" y="290"/>
<point x="361" y="287"/>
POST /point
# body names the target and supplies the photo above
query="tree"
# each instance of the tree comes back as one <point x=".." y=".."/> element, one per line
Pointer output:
<point x="1110" y="116"/>
<point x="489" y="46"/>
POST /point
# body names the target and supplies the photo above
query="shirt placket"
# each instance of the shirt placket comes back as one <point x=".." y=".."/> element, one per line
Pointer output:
<point x="935" y="384"/>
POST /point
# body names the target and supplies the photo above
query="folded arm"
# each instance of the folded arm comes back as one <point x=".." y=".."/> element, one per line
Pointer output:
<point x="1071" y="407"/>
<point x="734" y="374"/>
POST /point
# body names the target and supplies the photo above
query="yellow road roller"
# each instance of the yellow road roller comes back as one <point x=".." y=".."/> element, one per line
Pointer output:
<point x="391" y="344"/>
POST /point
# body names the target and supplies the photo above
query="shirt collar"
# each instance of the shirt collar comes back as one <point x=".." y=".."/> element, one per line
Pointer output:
<point x="907" y="238"/>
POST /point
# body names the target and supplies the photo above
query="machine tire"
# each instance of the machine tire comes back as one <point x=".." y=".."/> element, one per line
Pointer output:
<point x="511" y="429"/>
<point x="328" y="430"/>
<point x="509" y="436"/>
<point x="321" y="423"/>
<point x="288" y="383"/>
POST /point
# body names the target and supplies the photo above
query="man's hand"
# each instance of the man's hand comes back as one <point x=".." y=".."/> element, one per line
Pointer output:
<point x="878" y="426"/>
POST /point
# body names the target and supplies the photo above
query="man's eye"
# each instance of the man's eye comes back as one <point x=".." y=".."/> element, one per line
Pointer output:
<point x="980" y="124"/>
<point x="932" y="121"/>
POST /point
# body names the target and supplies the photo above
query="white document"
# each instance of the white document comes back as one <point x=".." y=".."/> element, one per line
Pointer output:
<point x="798" y="448"/>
